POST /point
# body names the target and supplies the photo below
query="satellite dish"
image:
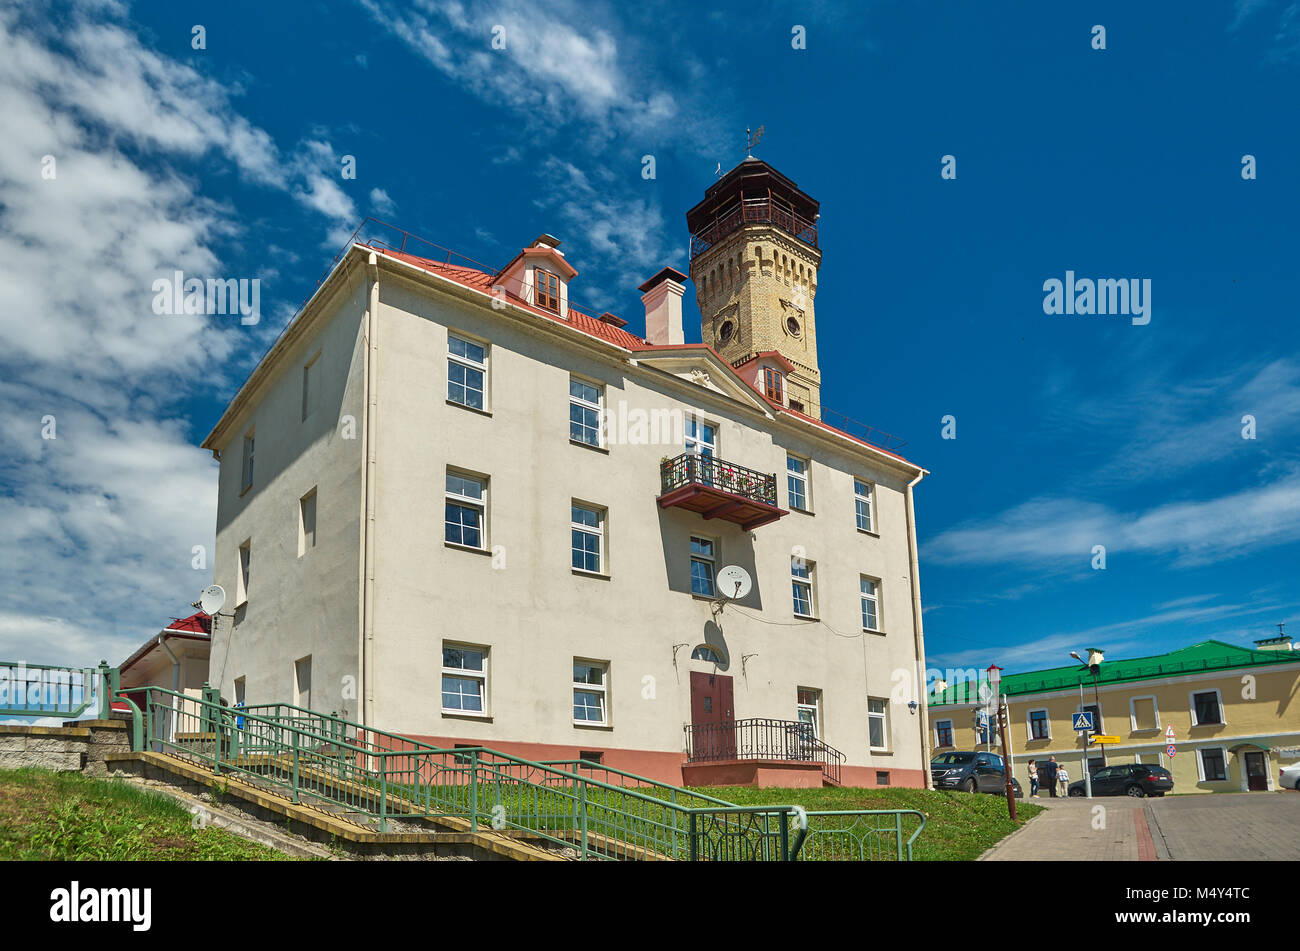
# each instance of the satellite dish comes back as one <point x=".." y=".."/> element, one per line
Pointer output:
<point x="212" y="600"/>
<point x="734" y="582"/>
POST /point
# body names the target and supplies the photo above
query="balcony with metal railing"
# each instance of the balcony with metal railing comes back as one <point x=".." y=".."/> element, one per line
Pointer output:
<point x="753" y="211"/>
<point x="716" y="488"/>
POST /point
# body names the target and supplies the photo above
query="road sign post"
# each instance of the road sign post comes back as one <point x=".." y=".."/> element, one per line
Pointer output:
<point x="1083" y="725"/>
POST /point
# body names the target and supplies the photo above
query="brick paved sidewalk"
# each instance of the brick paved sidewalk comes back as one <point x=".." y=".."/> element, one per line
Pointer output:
<point x="1112" y="829"/>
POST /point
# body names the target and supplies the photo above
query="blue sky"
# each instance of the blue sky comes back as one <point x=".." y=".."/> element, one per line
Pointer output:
<point x="1072" y="431"/>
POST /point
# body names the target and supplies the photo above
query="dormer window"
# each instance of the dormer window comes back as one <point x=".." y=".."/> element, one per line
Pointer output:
<point x="548" y="290"/>
<point x="773" y="384"/>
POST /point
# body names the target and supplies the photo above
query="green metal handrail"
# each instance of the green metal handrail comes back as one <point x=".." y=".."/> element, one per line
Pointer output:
<point x="66" y="692"/>
<point x="859" y="835"/>
<point x="319" y="759"/>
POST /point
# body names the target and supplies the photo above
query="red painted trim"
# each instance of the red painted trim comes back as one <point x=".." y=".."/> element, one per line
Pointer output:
<point x="1146" y="845"/>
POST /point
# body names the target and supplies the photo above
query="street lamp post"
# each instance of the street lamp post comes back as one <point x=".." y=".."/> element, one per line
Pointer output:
<point x="995" y="681"/>
<point x="1093" y="663"/>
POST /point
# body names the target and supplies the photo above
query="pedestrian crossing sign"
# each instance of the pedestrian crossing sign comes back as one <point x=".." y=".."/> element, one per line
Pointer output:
<point x="1083" y="721"/>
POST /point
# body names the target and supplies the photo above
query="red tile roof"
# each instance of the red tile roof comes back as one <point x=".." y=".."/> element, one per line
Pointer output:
<point x="592" y="326"/>
<point x="483" y="281"/>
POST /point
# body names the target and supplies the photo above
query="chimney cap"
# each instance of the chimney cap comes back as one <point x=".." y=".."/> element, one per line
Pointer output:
<point x="546" y="241"/>
<point x="608" y="318"/>
<point x="667" y="274"/>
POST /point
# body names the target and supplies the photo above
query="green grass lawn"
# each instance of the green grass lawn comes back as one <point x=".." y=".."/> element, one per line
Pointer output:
<point x="959" y="826"/>
<point x="65" y="816"/>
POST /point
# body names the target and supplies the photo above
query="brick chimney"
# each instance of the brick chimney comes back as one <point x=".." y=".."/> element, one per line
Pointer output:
<point x="662" y="296"/>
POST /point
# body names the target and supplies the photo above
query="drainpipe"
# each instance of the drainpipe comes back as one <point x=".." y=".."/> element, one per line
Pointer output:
<point x="365" y="654"/>
<point x="918" y="633"/>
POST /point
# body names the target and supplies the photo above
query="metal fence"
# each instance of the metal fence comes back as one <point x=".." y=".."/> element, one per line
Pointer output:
<point x="761" y="738"/>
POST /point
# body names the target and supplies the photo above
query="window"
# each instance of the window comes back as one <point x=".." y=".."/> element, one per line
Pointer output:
<point x="309" y="386"/>
<point x="878" y="723"/>
<point x="809" y="703"/>
<point x="796" y="481"/>
<point x="466" y="372"/>
<point x="943" y="733"/>
<point x="241" y="580"/>
<point x="796" y="406"/>
<point x="700" y="437"/>
<point x="1206" y="708"/>
<point x="464" y="678"/>
<point x="703" y="558"/>
<point x="241" y="692"/>
<point x="1039" y="729"/>
<point x="548" y="290"/>
<point x="306" y="522"/>
<point x="1214" y="767"/>
<point x="302" y="682"/>
<point x="466" y="505"/>
<point x="589" y="692"/>
<point x="1143" y="714"/>
<point x="588" y="533"/>
<point x="584" y="412"/>
<point x="882" y="777"/>
<point x="706" y="653"/>
<point x="590" y="758"/>
<point x="246" y="482"/>
<point x="772" y="384"/>
<point x="870" y="603"/>
<point x="862" y="497"/>
<point x="802" y="580"/>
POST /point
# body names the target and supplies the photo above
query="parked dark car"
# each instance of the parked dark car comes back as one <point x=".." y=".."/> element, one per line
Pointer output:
<point x="971" y="772"/>
<point x="1133" y="779"/>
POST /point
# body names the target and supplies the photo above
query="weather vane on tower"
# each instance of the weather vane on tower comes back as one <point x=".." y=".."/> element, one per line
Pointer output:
<point x="754" y="139"/>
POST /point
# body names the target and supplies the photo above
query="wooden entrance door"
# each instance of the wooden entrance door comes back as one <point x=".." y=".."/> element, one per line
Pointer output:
<point x="713" y="717"/>
<point x="1256" y="772"/>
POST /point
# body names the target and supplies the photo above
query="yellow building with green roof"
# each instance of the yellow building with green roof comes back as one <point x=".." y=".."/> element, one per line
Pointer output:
<point x="1231" y="714"/>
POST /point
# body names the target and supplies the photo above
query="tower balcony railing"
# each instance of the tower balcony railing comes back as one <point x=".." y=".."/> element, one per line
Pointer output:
<point x="753" y="211"/>
<point x="716" y="488"/>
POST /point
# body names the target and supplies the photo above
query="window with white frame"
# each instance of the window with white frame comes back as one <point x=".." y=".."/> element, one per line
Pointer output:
<point x="467" y="365"/>
<point x="808" y="704"/>
<point x="1143" y="714"/>
<point x="464" y="678"/>
<point x="241" y="690"/>
<point x="587" y="530"/>
<point x="1207" y="707"/>
<point x="584" y="412"/>
<point x="801" y="573"/>
<point x="590" y="692"/>
<point x="796" y="482"/>
<point x="878" y="723"/>
<point x="700" y="437"/>
<point x="706" y="653"/>
<point x="1040" y="727"/>
<point x="246" y="477"/>
<point x="703" y="562"/>
<point x="465" y="510"/>
<point x="1213" y="762"/>
<point x="863" y="504"/>
<point x="943" y="733"/>
<point x="870" y="597"/>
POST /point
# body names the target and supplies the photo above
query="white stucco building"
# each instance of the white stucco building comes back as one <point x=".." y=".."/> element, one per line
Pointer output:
<point x="425" y="526"/>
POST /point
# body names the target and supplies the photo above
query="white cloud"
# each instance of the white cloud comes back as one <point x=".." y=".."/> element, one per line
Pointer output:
<point x="1050" y="532"/>
<point x="110" y="510"/>
<point x="381" y="203"/>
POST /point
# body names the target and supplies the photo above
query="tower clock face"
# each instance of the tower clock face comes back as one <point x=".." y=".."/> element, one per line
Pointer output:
<point x="726" y="330"/>
<point x="792" y="325"/>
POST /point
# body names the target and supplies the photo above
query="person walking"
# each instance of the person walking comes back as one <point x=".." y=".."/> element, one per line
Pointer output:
<point x="1033" y="780"/>
<point x="1063" y="777"/>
